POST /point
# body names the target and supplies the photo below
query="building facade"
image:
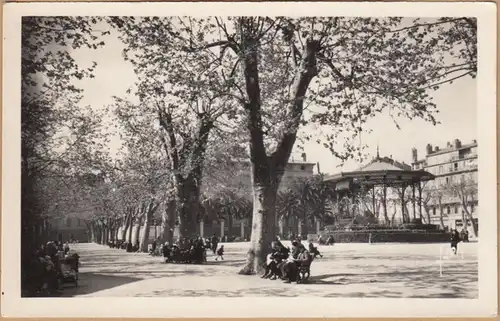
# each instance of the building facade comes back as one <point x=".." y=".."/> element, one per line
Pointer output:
<point x="452" y="197"/>
<point x="67" y="229"/>
<point x="297" y="167"/>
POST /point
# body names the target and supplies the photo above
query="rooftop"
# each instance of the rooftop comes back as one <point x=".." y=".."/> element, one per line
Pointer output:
<point x="451" y="149"/>
<point x="384" y="163"/>
<point x="382" y="170"/>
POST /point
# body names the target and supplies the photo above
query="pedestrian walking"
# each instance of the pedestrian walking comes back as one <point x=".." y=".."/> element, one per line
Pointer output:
<point x="220" y="253"/>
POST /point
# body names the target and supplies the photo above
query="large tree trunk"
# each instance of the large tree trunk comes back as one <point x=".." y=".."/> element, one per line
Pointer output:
<point x="94" y="233"/>
<point x="137" y="230"/>
<point x="268" y="171"/>
<point x="187" y="189"/>
<point x="230" y="223"/>
<point x="188" y="207"/>
<point x="147" y="223"/>
<point x="104" y="235"/>
<point x="168" y="222"/>
<point x="281" y="225"/>
<point x="474" y="226"/>
<point x="467" y="216"/>
<point x="441" y="219"/>
<point x="304" y="230"/>
<point x="129" y="231"/>
<point x="126" y="226"/>
<point x="100" y="234"/>
<point x="263" y="228"/>
<point x="427" y="213"/>
<point x="144" y="241"/>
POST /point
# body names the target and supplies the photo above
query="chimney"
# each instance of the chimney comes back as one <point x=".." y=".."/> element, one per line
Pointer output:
<point x="428" y="149"/>
<point x="474" y="141"/>
<point x="458" y="143"/>
<point x="436" y="149"/>
<point x="414" y="155"/>
<point x="304" y="157"/>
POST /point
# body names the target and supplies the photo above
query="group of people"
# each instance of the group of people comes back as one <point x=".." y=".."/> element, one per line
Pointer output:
<point x="123" y="245"/>
<point x="457" y="237"/>
<point x="194" y="250"/>
<point x="185" y="250"/>
<point x="49" y="266"/>
<point x="289" y="265"/>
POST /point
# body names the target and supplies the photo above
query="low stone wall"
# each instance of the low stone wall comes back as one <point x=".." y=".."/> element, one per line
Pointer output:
<point x="396" y="236"/>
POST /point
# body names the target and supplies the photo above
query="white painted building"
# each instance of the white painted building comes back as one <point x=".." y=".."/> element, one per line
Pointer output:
<point x="451" y="165"/>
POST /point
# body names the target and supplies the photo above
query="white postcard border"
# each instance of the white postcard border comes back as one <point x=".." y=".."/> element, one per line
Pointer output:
<point x="485" y="305"/>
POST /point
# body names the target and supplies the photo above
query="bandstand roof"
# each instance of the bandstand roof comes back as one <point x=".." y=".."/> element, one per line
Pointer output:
<point x="378" y="172"/>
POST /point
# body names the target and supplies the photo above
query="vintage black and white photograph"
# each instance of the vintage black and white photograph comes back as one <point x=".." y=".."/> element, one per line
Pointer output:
<point x="282" y="154"/>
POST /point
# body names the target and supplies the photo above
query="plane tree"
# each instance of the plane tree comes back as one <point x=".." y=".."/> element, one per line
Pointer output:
<point x="282" y="74"/>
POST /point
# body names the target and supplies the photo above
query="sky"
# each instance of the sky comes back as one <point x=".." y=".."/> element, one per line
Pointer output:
<point x="456" y="103"/>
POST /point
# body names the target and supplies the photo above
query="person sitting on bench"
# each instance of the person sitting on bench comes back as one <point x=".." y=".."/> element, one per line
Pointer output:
<point x="294" y="267"/>
<point x="278" y="253"/>
<point x="167" y="251"/>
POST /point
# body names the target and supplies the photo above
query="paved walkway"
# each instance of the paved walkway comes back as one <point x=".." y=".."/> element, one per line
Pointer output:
<point x="347" y="270"/>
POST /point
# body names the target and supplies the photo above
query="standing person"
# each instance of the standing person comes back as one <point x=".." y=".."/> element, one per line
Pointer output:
<point x="214" y="242"/>
<point x="66" y="247"/>
<point x="455" y="239"/>
<point x="220" y="253"/>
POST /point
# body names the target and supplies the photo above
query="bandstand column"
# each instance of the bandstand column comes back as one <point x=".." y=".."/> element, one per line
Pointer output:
<point x="373" y="199"/>
<point x="385" y="202"/>
<point x="353" y="202"/>
<point x="413" y="199"/>
<point x="403" y="189"/>
<point x="420" y="199"/>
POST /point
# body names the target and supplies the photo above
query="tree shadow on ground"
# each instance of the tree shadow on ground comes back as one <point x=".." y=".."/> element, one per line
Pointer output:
<point x="322" y="279"/>
<point x="164" y="272"/>
<point x="93" y="282"/>
<point x="226" y="262"/>
<point x="455" y="283"/>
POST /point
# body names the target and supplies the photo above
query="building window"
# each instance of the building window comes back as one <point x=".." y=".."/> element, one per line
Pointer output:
<point x="433" y="211"/>
<point x="455" y="166"/>
<point x="440" y="169"/>
<point x="448" y="210"/>
<point x="472" y="207"/>
<point x="456" y="208"/>
<point x="447" y="180"/>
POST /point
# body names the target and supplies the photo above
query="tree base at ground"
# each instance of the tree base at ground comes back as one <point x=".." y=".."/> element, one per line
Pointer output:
<point x="247" y="270"/>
